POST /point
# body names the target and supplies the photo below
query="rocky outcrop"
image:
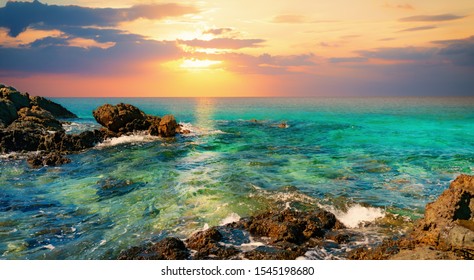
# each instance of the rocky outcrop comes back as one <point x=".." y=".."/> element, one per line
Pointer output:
<point x="286" y="234"/>
<point x="55" y="109"/>
<point x="18" y="99"/>
<point x="125" y="118"/>
<point x="445" y="232"/>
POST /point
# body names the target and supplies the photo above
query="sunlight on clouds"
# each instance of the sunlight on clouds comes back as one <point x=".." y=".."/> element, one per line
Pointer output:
<point x="89" y="43"/>
<point x="194" y="63"/>
<point x="26" y="37"/>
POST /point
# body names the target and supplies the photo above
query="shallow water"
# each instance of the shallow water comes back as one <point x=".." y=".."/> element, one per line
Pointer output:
<point x="391" y="155"/>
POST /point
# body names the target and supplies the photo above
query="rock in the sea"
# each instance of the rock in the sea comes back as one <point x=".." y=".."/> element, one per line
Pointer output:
<point x="19" y="100"/>
<point x="170" y="248"/>
<point x="54" y="108"/>
<point x="445" y="232"/>
<point x="125" y="118"/>
<point x="121" y="118"/>
<point x="7" y="112"/>
<point x="291" y="226"/>
<point x="48" y="159"/>
<point x="208" y="245"/>
<point x="168" y="126"/>
<point x="36" y="118"/>
<point x="449" y="221"/>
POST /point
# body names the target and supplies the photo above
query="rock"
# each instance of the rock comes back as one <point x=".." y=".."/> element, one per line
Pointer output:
<point x="19" y="100"/>
<point x="111" y="187"/>
<point x="453" y="210"/>
<point x="170" y="248"/>
<point x="60" y="141"/>
<point x="154" y="128"/>
<point x="208" y="245"/>
<point x="7" y="112"/>
<point x="19" y="140"/>
<point x="36" y="118"/>
<point x="168" y="126"/>
<point x="273" y="253"/>
<point x="424" y="253"/>
<point x="291" y="226"/>
<point x="55" y="109"/>
<point x="121" y="118"/>
<point x="283" y="125"/>
<point x="48" y="159"/>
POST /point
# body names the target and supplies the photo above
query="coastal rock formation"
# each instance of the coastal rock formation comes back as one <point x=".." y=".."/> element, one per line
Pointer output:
<point x="125" y="118"/>
<point x="55" y="109"/>
<point x="445" y="232"/>
<point x="285" y="234"/>
<point x="48" y="159"/>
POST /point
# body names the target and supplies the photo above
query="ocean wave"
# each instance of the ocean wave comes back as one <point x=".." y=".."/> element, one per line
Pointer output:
<point x="78" y="127"/>
<point x="128" y="139"/>
<point x="356" y="215"/>
<point x="198" y="131"/>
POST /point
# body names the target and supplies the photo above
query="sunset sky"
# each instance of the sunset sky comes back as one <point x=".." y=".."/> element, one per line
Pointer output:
<point x="238" y="48"/>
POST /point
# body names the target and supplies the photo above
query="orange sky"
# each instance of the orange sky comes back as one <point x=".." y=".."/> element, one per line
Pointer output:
<point x="238" y="48"/>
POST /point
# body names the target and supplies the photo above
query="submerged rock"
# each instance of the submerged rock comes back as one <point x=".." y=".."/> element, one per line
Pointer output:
<point x="110" y="187"/>
<point x="48" y="159"/>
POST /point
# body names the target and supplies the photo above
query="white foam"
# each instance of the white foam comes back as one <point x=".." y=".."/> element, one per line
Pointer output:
<point x="49" y="246"/>
<point x="198" y="131"/>
<point x="126" y="139"/>
<point x="357" y="214"/>
<point x="233" y="217"/>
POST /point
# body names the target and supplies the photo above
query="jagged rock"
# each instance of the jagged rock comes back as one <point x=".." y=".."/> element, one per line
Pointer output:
<point x="168" y="126"/>
<point x="48" y="159"/>
<point x="55" y="109"/>
<point x="36" y="118"/>
<point x="60" y="141"/>
<point x="121" y="118"/>
<point x="170" y="248"/>
<point x="208" y="245"/>
<point x="7" y="112"/>
<point x="19" y="100"/>
<point x="449" y="217"/>
<point x="291" y="226"/>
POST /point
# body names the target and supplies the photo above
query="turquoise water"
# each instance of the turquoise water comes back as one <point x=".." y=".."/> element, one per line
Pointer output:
<point x="394" y="154"/>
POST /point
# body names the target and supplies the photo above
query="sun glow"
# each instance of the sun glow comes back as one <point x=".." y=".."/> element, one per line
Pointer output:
<point x="194" y="63"/>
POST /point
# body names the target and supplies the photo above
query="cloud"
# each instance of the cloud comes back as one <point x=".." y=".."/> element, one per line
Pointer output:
<point x="405" y="6"/>
<point x="398" y="54"/>
<point x="223" y="43"/>
<point x="356" y="59"/>
<point x="18" y="16"/>
<point x="218" y="31"/>
<point x="442" y="17"/>
<point x="419" y="28"/>
<point x="459" y="52"/>
<point x="70" y="54"/>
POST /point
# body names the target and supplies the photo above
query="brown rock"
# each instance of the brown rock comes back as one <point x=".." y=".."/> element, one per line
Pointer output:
<point x="36" y="118"/>
<point x="19" y="100"/>
<point x="170" y="248"/>
<point x="48" y="159"/>
<point x="121" y="118"/>
<point x="168" y="126"/>
<point x="55" y="109"/>
<point x="7" y="112"/>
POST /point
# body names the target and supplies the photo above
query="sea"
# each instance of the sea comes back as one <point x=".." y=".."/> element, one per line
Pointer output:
<point x="374" y="162"/>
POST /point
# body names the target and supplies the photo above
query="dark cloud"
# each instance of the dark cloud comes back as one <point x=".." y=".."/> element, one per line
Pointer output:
<point x="443" y="17"/>
<point x="55" y="55"/>
<point x="18" y="16"/>
<point x="459" y="52"/>
<point x="408" y="53"/>
<point x="223" y="43"/>
<point x="356" y="59"/>
<point x="419" y="28"/>
<point x="218" y="31"/>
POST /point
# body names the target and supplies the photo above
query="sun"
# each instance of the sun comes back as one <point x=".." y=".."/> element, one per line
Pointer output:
<point x="193" y="63"/>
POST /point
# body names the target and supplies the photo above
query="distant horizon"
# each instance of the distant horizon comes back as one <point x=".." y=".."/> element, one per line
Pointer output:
<point x="93" y="48"/>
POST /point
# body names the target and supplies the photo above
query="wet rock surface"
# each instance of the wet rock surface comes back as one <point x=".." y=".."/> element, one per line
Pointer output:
<point x="125" y="118"/>
<point x="445" y="232"/>
<point x="283" y="235"/>
<point x="29" y="124"/>
<point x="170" y="248"/>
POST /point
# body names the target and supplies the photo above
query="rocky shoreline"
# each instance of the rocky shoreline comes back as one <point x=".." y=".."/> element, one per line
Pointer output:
<point x="446" y="232"/>
<point x="30" y="124"/>
<point x="35" y="124"/>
